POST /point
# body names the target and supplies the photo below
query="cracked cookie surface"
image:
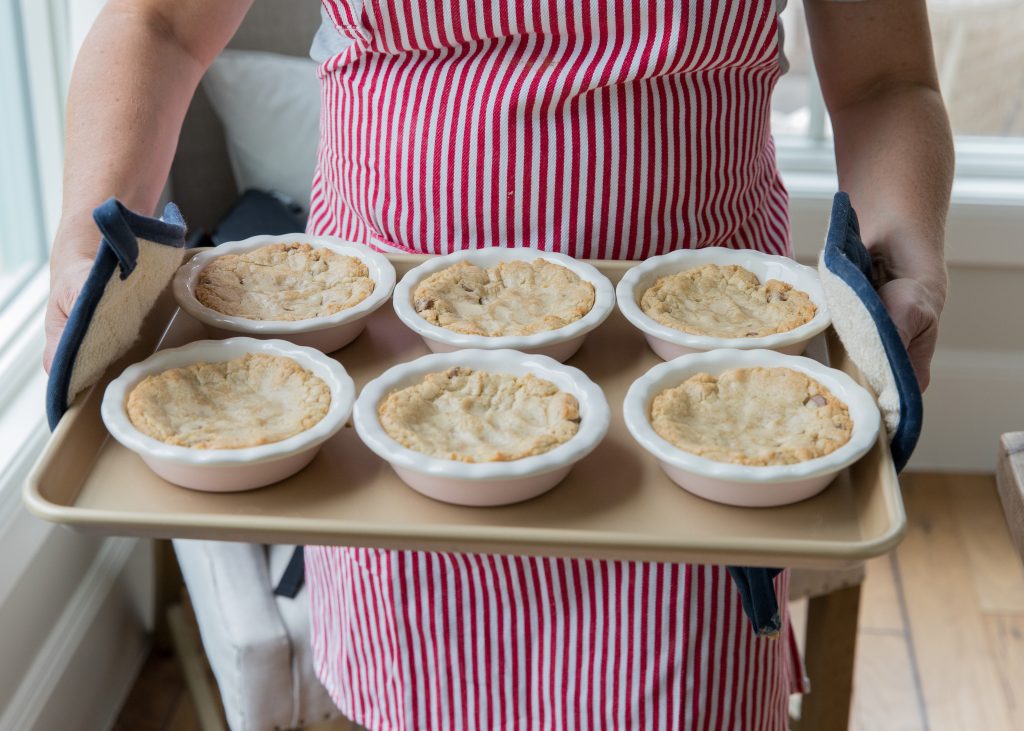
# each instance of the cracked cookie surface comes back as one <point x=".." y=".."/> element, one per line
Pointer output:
<point x="752" y="416"/>
<point x="512" y="298"/>
<point x="283" y="282"/>
<point x="476" y="416"/>
<point x="726" y="302"/>
<point x="252" y="400"/>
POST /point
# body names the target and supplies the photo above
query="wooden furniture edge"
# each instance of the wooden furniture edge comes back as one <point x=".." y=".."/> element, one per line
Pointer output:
<point x="1010" y="482"/>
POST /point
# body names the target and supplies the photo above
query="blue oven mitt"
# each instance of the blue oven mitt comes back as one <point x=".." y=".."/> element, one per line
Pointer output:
<point x="873" y="343"/>
<point x="867" y="331"/>
<point x="135" y="262"/>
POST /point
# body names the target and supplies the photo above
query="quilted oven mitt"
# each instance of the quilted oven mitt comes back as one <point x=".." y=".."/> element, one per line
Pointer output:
<point x="867" y="332"/>
<point x="874" y="345"/>
<point x="136" y="260"/>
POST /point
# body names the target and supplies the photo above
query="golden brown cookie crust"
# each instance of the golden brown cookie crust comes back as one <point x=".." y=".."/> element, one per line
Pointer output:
<point x="252" y="400"/>
<point x="284" y="282"/>
<point x="512" y="298"/>
<point x="726" y="302"/>
<point x="475" y="416"/>
<point x="752" y="416"/>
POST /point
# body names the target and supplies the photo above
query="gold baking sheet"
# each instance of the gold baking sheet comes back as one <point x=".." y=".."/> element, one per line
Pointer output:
<point x="616" y="503"/>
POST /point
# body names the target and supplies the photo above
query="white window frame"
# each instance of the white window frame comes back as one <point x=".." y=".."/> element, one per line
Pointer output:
<point x="23" y="430"/>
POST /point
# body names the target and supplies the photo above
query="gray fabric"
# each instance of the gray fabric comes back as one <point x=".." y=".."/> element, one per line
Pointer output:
<point x="201" y="180"/>
<point x="327" y="42"/>
<point x="780" y="5"/>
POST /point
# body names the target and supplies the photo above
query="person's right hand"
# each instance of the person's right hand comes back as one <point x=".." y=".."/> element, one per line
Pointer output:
<point x="68" y="271"/>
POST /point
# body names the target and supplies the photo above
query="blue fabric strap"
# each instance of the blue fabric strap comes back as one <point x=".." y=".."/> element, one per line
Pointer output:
<point x="757" y="596"/>
<point x="294" y="575"/>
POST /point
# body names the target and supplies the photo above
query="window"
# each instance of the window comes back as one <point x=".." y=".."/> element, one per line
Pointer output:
<point x="33" y="74"/>
<point x="979" y="50"/>
<point x="797" y="99"/>
<point x="22" y="230"/>
<point x="32" y="80"/>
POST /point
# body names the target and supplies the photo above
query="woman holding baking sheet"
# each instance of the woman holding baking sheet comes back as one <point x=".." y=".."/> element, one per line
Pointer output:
<point x="600" y="129"/>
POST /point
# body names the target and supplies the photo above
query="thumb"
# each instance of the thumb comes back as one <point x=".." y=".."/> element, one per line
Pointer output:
<point x="64" y="289"/>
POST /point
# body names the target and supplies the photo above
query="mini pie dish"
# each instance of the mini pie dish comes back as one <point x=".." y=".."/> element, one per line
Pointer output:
<point x="326" y="334"/>
<point x="228" y="470"/>
<point x="483" y="483"/>
<point x="559" y="344"/>
<point x="744" y="485"/>
<point x="669" y="343"/>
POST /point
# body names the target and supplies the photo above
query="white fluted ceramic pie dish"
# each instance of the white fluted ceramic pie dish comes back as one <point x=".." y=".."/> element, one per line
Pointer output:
<point x="483" y="483"/>
<point x="669" y="343"/>
<point x="228" y="470"/>
<point x="559" y="344"/>
<point x="326" y="334"/>
<point x="745" y="485"/>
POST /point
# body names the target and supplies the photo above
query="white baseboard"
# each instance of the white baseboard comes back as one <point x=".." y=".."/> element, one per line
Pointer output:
<point x="974" y="397"/>
<point x="84" y="669"/>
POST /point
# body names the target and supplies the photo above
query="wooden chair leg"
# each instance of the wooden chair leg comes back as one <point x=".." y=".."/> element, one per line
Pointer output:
<point x="830" y="649"/>
<point x="167" y="587"/>
<point x="198" y="679"/>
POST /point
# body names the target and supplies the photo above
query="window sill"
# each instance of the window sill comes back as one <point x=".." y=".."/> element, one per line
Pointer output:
<point x="986" y="212"/>
<point x="23" y="429"/>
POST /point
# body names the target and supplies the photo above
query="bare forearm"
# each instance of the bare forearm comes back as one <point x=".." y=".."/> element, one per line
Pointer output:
<point x="894" y="152"/>
<point x="893" y="149"/>
<point x="129" y="92"/>
<point x="131" y="86"/>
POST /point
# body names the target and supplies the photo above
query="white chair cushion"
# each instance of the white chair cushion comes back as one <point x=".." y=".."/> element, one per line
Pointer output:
<point x="807" y="583"/>
<point x="258" y="647"/>
<point x="311" y="702"/>
<point x="269" y="105"/>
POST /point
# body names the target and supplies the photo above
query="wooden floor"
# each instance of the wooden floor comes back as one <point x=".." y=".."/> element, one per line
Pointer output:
<point x="159" y="701"/>
<point x="941" y="640"/>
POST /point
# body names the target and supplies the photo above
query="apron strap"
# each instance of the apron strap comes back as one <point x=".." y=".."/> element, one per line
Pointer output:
<point x="294" y="575"/>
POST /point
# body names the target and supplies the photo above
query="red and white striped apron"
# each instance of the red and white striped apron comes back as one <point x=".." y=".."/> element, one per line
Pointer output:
<point x="600" y="128"/>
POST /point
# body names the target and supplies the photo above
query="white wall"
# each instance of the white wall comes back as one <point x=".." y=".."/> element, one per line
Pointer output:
<point x="73" y="630"/>
<point x="75" y="610"/>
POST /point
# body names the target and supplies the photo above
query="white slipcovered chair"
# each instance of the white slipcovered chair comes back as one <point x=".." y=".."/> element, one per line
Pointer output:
<point x="257" y="644"/>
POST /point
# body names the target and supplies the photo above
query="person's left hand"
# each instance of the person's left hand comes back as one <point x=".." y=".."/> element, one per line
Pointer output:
<point x="913" y="290"/>
<point x="913" y="311"/>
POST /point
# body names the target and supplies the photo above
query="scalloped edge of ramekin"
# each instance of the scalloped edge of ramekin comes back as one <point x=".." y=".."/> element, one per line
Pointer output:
<point x="604" y="301"/>
<point x="595" y="414"/>
<point x="115" y="415"/>
<point x="637" y="404"/>
<point x="381" y="270"/>
<point x="638" y="279"/>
